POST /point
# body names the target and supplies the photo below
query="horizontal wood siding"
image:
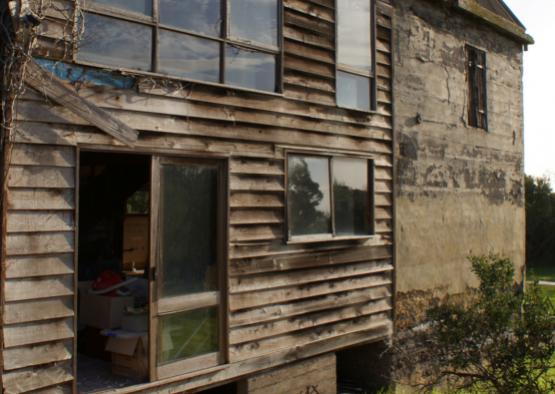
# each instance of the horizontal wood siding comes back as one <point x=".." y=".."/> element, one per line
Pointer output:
<point x="281" y="296"/>
<point x="38" y="312"/>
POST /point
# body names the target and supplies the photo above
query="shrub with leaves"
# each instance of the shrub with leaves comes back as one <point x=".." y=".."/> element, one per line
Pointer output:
<point x="500" y="341"/>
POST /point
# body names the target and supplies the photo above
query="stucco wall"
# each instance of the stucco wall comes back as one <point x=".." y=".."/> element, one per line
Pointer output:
<point x="459" y="190"/>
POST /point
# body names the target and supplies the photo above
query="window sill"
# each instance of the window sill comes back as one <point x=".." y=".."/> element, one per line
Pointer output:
<point x="145" y="74"/>
<point x="358" y="111"/>
<point x="311" y="239"/>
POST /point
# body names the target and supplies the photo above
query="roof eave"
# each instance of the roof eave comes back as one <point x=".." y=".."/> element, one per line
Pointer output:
<point x="498" y="22"/>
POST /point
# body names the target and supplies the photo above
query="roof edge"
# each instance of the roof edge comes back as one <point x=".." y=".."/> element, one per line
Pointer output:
<point x="512" y="29"/>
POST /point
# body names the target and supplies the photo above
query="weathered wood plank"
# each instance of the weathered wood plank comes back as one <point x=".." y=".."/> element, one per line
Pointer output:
<point x="33" y="266"/>
<point x="249" y="183"/>
<point x="63" y="135"/>
<point x="33" y="333"/>
<point x="55" y="89"/>
<point x="22" y="357"/>
<point x="307" y="260"/>
<point x="330" y="301"/>
<point x="295" y="278"/>
<point x="41" y="243"/>
<point x="41" y="177"/>
<point x="268" y="379"/>
<point x="36" y="310"/>
<point x="297" y="339"/>
<point x="36" y="288"/>
<point x="41" y="199"/>
<point x="37" y="378"/>
<point x="255" y="216"/>
<point x="52" y="156"/>
<point x="255" y="233"/>
<point x="275" y="296"/>
<point x="20" y="221"/>
<point x="312" y="320"/>
<point x="253" y="200"/>
<point x="255" y="167"/>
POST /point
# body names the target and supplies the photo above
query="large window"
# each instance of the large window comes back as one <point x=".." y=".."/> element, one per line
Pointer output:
<point x="235" y="42"/>
<point x="355" y="82"/>
<point x="477" y="97"/>
<point x="329" y="197"/>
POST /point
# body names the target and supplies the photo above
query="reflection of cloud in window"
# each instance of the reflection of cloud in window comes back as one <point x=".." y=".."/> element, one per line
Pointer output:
<point x="189" y="56"/>
<point x="250" y="69"/>
<point x="254" y="20"/>
<point x="351" y="172"/>
<point x="354" y="46"/>
<point x="202" y="16"/>
<point x="115" y="42"/>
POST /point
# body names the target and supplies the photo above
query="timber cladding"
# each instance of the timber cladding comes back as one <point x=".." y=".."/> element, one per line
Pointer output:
<point x="285" y="301"/>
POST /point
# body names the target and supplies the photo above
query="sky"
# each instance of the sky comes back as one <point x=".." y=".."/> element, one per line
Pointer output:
<point x="539" y="86"/>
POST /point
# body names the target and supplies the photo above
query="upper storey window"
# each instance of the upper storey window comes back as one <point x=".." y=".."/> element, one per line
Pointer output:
<point x="477" y="96"/>
<point x="234" y="42"/>
<point x="355" y="54"/>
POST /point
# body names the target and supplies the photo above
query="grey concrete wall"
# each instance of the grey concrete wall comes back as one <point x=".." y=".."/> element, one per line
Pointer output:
<point x="459" y="190"/>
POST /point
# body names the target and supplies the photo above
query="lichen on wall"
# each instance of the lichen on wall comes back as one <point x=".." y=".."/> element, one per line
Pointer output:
<point x="459" y="189"/>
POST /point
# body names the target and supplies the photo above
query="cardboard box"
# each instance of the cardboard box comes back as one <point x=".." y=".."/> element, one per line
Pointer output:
<point x="129" y="355"/>
<point x="102" y="311"/>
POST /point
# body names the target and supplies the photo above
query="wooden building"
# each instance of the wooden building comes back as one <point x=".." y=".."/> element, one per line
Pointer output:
<point x="197" y="193"/>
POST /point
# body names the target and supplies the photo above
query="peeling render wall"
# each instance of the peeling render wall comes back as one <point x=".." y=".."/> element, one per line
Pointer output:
<point x="459" y="190"/>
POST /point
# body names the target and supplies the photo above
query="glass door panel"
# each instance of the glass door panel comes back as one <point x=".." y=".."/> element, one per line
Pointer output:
<point x="187" y="281"/>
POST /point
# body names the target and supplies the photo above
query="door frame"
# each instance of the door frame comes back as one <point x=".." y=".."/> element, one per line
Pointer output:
<point x="179" y="367"/>
<point x="223" y="247"/>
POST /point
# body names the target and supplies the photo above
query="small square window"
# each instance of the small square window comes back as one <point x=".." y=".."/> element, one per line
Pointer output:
<point x="329" y="197"/>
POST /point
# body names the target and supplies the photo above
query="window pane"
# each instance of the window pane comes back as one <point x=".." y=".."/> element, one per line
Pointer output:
<point x="201" y="16"/>
<point x="250" y="69"/>
<point x="308" y="195"/>
<point x="353" y="91"/>
<point x="354" y="34"/>
<point x="187" y="56"/>
<point x="350" y="196"/>
<point x="188" y="229"/>
<point x="140" y="6"/>
<point x="117" y="43"/>
<point x="254" y="20"/>
<point x="188" y="334"/>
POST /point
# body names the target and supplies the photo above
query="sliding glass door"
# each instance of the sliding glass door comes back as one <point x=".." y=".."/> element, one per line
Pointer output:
<point x="186" y="265"/>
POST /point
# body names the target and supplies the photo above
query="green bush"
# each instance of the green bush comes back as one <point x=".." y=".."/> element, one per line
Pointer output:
<point x="500" y="341"/>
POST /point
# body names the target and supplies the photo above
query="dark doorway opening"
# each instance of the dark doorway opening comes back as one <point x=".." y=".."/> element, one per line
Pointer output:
<point x="113" y="261"/>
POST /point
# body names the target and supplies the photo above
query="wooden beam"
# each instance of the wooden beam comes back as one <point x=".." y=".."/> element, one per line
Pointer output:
<point x="55" y="89"/>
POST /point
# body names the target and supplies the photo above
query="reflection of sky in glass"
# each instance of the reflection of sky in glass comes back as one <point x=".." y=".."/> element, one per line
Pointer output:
<point x="250" y="69"/>
<point x="254" y="20"/>
<point x="201" y="16"/>
<point x="116" y="43"/>
<point x="140" y="6"/>
<point x="351" y="172"/>
<point x="353" y="91"/>
<point x="188" y="56"/>
<point x="350" y="193"/>
<point x="353" y="41"/>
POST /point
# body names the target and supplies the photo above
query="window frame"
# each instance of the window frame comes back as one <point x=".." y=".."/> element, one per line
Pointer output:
<point x="332" y="236"/>
<point x="223" y="40"/>
<point x="477" y="116"/>
<point x="371" y="75"/>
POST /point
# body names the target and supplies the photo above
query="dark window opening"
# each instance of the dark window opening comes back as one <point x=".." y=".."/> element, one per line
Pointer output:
<point x="477" y="93"/>
<point x="329" y="197"/>
<point x="364" y="369"/>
